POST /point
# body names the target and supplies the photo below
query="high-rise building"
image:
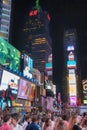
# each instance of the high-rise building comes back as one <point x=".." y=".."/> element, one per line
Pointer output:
<point x="70" y="42"/>
<point x="5" y="11"/>
<point x="37" y="39"/>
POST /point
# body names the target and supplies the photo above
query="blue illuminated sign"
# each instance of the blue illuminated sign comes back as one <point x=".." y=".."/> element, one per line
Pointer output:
<point x="71" y="63"/>
<point x="70" y="48"/>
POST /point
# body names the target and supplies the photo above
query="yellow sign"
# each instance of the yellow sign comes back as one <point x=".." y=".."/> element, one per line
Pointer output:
<point x="85" y="87"/>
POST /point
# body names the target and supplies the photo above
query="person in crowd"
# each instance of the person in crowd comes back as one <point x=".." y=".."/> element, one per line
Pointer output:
<point x="59" y="125"/>
<point x="6" y="123"/>
<point x="39" y="122"/>
<point x="33" y="125"/>
<point x="73" y="125"/>
<point x="49" y="115"/>
<point x="1" y="116"/>
<point x="84" y="124"/>
<point x="15" y="122"/>
<point x="78" y="120"/>
<point x="47" y="124"/>
<point x="27" y="121"/>
<point x="64" y="117"/>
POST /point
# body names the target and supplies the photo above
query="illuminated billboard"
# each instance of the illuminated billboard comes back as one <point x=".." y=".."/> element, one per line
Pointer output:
<point x="9" y="55"/>
<point x="9" y="81"/>
<point x="71" y="64"/>
<point x="70" y="48"/>
<point x="72" y="79"/>
<point x="84" y="83"/>
<point x="49" y="66"/>
<point x="71" y="56"/>
<point x="72" y="90"/>
<point x="73" y="101"/>
<point x="71" y="71"/>
<point x="28" y="66"/>
<point x="85" y="101"/>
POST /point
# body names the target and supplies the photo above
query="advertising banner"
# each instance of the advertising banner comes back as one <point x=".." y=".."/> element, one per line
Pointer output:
<point x="84" y="83"/>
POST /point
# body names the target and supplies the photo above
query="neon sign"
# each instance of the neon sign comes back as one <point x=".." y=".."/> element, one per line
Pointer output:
<point x="48" y="16"/>
<point x="33" y="13"/>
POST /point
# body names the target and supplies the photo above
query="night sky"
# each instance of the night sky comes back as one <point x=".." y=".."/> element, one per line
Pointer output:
<point x="64" y="14"/>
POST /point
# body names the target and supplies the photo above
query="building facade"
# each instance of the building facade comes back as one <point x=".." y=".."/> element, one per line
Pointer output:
<point x="5" y="13"/>
<point x="71" y="76"/>
<point x="37" y="38"/>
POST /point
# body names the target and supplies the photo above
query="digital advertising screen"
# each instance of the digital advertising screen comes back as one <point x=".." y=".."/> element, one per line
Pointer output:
<point x="73" y="101"/>
<point x="72" y="90"/>
<point x="9" y="83"/>
<point x="32" y="93"/>
<point x="72" y="79"/>
<point x="9" y="55"/>
<point x="24" y="89"/>
<point x="28" y="66"/>
<point x="31" y="64"/>
<point x="71" y="64"/>
<point x="0" y="74"/>
<point x="70" y="48"/>
<point x="84" y="84"/>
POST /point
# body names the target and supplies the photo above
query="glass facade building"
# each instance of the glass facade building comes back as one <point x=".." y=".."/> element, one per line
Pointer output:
<point x="37" y="38"/>
<point x="5" y="11"/>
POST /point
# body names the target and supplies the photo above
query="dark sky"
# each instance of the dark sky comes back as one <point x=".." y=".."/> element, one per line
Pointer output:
<point x="64" y="14"/>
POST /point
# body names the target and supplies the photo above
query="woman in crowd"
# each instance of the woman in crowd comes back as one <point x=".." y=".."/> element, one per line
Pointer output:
<point x="15" y="122"/>
<point x="47" y="124"/>
<point x="7" y="123"/>
<point x="84" y="124"/>
<point x="73" y="124"/>
<point x="59" y="125"/>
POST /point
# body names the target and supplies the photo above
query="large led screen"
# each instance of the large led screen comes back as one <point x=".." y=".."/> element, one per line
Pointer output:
<point x="72" y="90"/>
<point x="9" y="82"/>
<point x="72" y="79"/>
<point x="71" y="64"/>
<point x="73" y="101"/>
<point x="32" y="93"/>
<point x="28" y="65"/>
<point x="0" y="74"/>
<point x="24" y="89"/>
<point x="9" y="55"/>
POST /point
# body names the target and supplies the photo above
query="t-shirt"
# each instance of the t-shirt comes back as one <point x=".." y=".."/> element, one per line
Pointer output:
<point x="18" y="127"/>
<point x="5" y="127"/>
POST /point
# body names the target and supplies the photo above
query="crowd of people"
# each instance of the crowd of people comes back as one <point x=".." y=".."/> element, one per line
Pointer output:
<point x="42" y="121"/>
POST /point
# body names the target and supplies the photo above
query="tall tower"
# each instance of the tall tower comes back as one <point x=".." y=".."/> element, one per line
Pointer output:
<point x="37" y="40"/>
<point x="5" y="11"/>
<point x="70" y="41"/>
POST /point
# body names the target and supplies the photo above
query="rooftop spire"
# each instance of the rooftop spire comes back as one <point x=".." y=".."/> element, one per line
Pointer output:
<point x="37" y="5"/>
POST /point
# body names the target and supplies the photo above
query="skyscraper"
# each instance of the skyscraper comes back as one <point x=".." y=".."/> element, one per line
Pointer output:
<point x="37" y="39"/>
<point x="5" y="11"/>
<point x="70" y="42"/>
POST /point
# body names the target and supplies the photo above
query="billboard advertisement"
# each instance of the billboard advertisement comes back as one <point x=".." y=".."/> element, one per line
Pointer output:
<point x="72" y="90"/>
<point x="71" y="64"/>
<point x="26" y="90"/>
<point x="10" y="83"/>
<point x="71" y="56"/>
<point x="9" y="55"/>
<point x="84" y="84"/>
<point x="73" y="101"/>
<point x="48" y="66"/>
<point x="71" y="71"/>
<point x="70" y="48"/>
<point x="72" y="79"/>
<point x="28" y="66"/>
